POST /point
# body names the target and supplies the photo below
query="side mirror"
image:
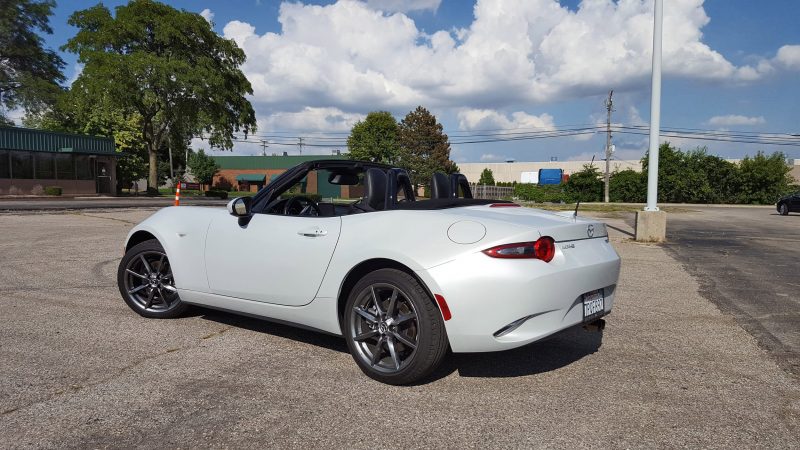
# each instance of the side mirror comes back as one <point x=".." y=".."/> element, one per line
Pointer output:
<point x="240" y="206"/>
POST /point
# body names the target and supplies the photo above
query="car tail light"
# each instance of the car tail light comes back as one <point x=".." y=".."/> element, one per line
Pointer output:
<point x="544" y="248"/>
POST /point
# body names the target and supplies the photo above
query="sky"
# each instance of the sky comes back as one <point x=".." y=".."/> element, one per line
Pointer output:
<point x="499" y="67"/>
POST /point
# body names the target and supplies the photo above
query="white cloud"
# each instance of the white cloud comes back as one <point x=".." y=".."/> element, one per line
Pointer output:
<point x="319" y="119"/>
<point x="404" y="6"/>
<point x="491" y="157"/>
<point x="789" y="56"/>
<point x="477" y="119"/>
<point x="208" y="15"/>
<point x="515" y="52"/>
<point x="735" y="120"/>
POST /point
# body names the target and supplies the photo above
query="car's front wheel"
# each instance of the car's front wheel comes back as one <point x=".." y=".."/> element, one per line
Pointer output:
<point x="393" y="329"/>
<point x="783" y="209"/>
<point x="146" y="283"/>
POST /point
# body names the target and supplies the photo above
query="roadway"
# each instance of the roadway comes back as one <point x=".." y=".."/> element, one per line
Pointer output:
<point x="56" y="204"/>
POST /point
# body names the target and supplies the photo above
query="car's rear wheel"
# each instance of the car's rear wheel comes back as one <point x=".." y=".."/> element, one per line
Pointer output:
<point x="146" y="283"/>
<point x="393" y="329"/>
<point x="784" y="209"/>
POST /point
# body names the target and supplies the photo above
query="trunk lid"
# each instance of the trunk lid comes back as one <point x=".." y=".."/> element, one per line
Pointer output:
<point x="560" y="225"/>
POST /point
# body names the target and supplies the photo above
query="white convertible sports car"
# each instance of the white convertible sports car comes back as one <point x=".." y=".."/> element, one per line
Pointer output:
<point x="403" y="280"/>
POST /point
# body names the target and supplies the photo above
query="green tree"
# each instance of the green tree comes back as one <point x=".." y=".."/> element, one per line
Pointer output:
<point x="29" y="73"/>
<point x="375" y="138"/>
<point x="764" y="179"/>
<point x="169" y="67"/>
<point x="586" y="185"/>
<point x="425" y="148"/>
<point x="487" y="177"/>
<point x="203" y="167"/>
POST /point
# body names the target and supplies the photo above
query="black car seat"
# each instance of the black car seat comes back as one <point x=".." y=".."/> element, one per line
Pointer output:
<point x="374" y="192"/>
<point x="440" y="186"/>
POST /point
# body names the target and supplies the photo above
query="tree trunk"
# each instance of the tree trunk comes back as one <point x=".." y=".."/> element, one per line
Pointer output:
<point x="152" y="178"/>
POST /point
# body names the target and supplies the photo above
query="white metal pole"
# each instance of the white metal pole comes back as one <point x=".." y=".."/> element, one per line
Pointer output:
<point x="655" y="110"/>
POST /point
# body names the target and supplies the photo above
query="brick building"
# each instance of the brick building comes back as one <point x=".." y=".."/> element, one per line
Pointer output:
<point x="251" y="173"/>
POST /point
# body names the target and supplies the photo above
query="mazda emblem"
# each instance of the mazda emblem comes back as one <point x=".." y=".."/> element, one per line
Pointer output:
<point x="590" y="230"/>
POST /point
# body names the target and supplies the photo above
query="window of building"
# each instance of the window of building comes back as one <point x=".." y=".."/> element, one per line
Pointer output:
<point x="5" y="164"/>
<point x="22" y="165"/>
<point x="65" y="167"/>
<point x="83" y="167"/>
<point x="45" y="166"/>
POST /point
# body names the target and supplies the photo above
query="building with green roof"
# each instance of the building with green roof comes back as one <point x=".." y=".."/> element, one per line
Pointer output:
<point x="251" y="173"/>
<point x="31" y="160"/>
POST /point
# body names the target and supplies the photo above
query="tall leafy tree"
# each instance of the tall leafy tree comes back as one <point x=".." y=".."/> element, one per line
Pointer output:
<point x="375" y="138"/>
<point x="425" y="148"/>
<point x="166" y="65"/>
<point x="29" y="73"/>
<point x="203" y="167"/>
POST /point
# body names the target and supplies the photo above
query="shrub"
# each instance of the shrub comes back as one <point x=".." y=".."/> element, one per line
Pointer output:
<point x="628" y="186"/>
<point x="37" y="190"/>
<point x="52" y="190"/>
<point x="553" y="193"/>
<point x="219" y="194"/>
<point x="223" y="184"/>
<point x="13" y="190"/>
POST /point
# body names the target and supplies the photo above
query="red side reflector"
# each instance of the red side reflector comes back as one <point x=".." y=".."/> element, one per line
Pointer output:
<point x="504" y="205"/>
<point x="443" y="306"/>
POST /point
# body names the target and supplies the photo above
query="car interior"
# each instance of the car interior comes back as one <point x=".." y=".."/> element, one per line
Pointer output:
<point x="347" y="190"/>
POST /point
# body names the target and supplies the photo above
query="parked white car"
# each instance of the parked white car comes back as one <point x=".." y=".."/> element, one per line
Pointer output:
<point x="403" y="280"/>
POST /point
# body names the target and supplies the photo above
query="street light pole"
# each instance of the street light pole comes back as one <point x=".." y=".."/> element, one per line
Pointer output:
<point x="655" y="110"/>
<point x="651" y="224"/>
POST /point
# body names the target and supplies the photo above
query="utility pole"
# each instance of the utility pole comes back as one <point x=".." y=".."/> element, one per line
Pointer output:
<point x="300" y="144"/>
<point x="609" y="109"/>
<point x="264" y="147"/>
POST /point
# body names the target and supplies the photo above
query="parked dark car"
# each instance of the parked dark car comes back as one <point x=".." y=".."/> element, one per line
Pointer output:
<point x="790" y="203"/>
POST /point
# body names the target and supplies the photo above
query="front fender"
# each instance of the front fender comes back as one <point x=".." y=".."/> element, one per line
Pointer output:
<point x="182" y="232"/>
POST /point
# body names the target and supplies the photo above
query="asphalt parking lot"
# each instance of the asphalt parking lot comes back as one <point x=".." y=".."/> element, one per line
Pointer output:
<point x="748" y="263"/>
<point x="81" y="370"/>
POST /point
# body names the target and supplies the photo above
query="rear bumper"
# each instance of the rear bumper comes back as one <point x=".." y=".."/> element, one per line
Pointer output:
<point x="485" y="294"/>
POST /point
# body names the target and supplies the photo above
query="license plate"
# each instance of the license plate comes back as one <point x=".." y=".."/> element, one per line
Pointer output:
<point x="593" y="305"/>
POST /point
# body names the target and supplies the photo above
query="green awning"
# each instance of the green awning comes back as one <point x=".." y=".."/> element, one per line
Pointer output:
<point x="251" y="177"/>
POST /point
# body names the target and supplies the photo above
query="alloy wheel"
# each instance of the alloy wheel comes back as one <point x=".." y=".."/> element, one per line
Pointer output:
<point x="149" y="282"/>
<point x="384" y="328"/>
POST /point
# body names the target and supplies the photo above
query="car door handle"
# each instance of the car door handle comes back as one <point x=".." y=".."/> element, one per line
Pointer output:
<point x="312" y="232"/>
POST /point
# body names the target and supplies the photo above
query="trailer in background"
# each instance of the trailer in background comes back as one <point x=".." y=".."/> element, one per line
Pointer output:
<point x="529" y="177"/>
<point x="550" y="176"/>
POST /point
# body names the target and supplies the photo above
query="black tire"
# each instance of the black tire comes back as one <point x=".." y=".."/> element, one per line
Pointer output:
<point x="402" y="363"/>
<point x="783" y="209"/>
<point x="145" y="282"/>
